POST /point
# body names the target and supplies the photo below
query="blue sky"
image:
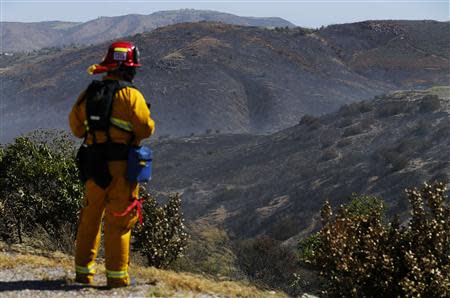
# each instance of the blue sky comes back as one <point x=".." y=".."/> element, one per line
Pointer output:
<point x="306" y="13"/>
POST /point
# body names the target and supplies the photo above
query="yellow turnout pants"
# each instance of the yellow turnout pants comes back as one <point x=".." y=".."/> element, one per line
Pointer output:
<point x="99" y="203"/>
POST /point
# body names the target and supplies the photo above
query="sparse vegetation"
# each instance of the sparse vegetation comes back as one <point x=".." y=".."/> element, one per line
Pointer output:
<point x="352" y="130"/>
<point x="307" y="119"/>
<point x="209" y="251"/>
<point x="49" y="50"/>
<point x="343" y="143"/>
<point x="409" y="145"/>
<point x="442" y="132"/>
<point x="355" y="108"/>
<point x="422" y="128"/>
<point x="311" y="122"/>
<point x="440" y="91"/>
<point x="345" y="122"/>
<point x="328" y="137"/>
<point x="164" y="137"/>
<point x="329" y="154"/>
<point x="430" y="103"/>
<point x="266" y="262"/>
<point x="393" y="108"/>
<point x="393" y="158"/>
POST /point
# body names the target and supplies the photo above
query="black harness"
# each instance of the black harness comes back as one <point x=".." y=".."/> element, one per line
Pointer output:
<point x="93" y="159"/>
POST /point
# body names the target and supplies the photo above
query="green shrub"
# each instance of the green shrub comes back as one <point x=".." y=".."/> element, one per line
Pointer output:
<point x="422" y="129"/>
<point x="409" y="145"/>
<point x="343" y="143"/>
<point x="344" y="122"/>
<point x="307" y="247"/>
<point x="39" y="190"/>
<point x="329" y="154"/>
<point x="328" y="137"/>
<point x="389" y="109"/>
<point x="266" y="262"/>
<point x="429" y="103"/>
<point x="352" y="130"/>
<point x="162" y="236"/>
<point x="355" y="108"/>
<point x="442" y="131"/>
<point x="363" y="205"/>
<point x="360" y="256"/>
<point x="308" y="119"/>
<point x="284" y="228"/>
<point x="392" y="158"/>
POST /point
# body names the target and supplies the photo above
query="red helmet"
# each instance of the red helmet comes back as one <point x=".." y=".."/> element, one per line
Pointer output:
<point x="121" y="52"/>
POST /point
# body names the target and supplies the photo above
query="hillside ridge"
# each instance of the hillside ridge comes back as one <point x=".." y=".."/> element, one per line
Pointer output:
<point x="275" y="184"/>
<point x="25" y="37"/>
<point x="235" y="79"/>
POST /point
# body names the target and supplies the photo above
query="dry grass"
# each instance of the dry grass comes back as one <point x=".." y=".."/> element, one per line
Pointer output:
<point x="441" y="91"/>
<point x="177" y="55"/>
<point x="12" y="256"/>
<point x="172" y="282"/>
<point x="10" y="261"/>
<point x="165" y="283"/>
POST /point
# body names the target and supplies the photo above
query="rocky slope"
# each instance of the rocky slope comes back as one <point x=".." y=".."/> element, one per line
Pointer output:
<point x="24" y="37"/>
<point x="235" y="79"/>
<point x="276" y="184"/>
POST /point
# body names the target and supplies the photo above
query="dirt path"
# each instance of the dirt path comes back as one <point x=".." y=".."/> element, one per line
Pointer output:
<point x="37" y="273"/>
<point x="28" y="281"/>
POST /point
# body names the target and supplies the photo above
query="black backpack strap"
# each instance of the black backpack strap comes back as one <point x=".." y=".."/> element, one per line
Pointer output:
<point x="102" y="89"/>
<point x="121" y="85"/>
<point x="116" y="88"/>
<point x="89" y="91"/>
<point x="124" y="84"/>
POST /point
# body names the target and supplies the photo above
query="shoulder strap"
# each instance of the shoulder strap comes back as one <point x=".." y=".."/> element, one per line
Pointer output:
<point x="114" y="86"/>
<point x="89" y="90"/>
<point x="120" y="86"/>
<point x="99" y="98"/>
<point x="86" y="94"/>
<point x="113" y="94"/>
<point x="124" y="84"/>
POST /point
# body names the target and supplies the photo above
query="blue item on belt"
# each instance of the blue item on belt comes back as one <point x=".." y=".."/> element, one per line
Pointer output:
<point x="139" y="164"/>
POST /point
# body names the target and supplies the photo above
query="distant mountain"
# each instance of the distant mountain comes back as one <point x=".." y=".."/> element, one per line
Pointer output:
<point x="276" y="184"/>
<point x="32" y="36"/>
<point x="234" y="79"/>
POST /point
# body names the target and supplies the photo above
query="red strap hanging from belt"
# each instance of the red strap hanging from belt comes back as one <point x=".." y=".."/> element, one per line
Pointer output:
<point x="135" y="204"/>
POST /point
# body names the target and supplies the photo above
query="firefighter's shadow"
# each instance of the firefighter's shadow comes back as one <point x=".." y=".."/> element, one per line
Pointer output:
<point x="40" y="285"/>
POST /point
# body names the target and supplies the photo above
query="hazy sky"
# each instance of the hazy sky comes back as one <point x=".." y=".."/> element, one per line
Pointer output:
<point x="303" y="13"/>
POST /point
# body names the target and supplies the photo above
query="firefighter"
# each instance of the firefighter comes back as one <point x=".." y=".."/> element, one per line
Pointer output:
<point x="109" y="127"/>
